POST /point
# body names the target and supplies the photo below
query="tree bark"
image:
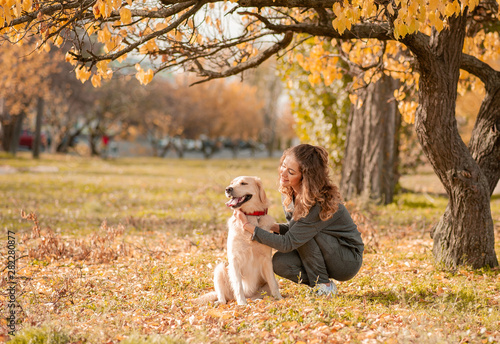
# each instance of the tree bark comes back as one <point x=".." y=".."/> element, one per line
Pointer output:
<point x="464" y="235"/>
<point x="371" y="154"/>
<point x="484" y="144"/>
<point x="8" y="130"/>
<point x="16" y="133"/>
<point x="38" y="129"/>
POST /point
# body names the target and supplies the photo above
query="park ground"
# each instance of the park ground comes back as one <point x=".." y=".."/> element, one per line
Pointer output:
<point x="115" y="251"/>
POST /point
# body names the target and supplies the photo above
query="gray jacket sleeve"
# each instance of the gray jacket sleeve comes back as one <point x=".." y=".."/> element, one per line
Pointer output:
<point x="283" y="228"/>
<point x="298" y="233"/>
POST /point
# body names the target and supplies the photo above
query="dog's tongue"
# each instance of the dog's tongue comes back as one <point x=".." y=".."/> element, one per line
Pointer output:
<point x="234" y="201"/>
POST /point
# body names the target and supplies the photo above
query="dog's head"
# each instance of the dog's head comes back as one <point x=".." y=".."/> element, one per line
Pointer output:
<point x="247" y="194"/>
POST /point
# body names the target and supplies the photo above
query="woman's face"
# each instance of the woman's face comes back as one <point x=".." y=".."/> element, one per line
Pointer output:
<point x="290" y="173"/>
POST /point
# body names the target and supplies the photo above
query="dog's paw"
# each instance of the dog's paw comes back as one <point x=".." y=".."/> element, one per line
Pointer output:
<point x="242" y="302"/>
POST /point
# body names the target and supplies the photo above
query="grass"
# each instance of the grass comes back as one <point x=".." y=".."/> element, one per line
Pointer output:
<point x="133" y="279"/>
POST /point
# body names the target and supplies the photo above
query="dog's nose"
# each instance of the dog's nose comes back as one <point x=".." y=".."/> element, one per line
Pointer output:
<point x="229" y="189"/>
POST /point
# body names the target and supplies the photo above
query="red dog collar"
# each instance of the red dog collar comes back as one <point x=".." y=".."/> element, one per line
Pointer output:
<point x="257" y="213"/>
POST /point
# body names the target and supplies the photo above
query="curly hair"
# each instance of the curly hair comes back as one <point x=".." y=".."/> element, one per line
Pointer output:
<point x="316" y="185"/>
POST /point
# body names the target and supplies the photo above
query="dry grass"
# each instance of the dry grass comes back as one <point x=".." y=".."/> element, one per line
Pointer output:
<point x="131" y="279"/>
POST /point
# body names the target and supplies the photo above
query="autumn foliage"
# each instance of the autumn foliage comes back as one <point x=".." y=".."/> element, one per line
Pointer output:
<point x="132" y="278"/>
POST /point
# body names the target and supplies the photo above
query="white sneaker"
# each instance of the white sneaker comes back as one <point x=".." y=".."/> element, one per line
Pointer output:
<point x="322" y="289"/>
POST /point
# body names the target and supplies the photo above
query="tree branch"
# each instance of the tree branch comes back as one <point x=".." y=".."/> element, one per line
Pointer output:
<point x="252" y="62"/>
<point x="288" y="3"/>
<point x="381" y="31"/>
<point x="474" y="66"/>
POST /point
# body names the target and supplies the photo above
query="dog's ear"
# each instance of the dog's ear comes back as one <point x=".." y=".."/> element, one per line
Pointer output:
<point x="262" y="192"/>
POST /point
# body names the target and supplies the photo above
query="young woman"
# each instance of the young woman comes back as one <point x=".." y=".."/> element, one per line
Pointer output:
<point x="320" y="240"/>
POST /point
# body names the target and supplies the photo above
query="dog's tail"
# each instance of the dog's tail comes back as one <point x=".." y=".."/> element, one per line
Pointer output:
<point x="209" y="297"/>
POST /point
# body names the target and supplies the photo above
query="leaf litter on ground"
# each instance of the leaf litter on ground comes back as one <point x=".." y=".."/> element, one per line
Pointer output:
<point x="112" y="286"/>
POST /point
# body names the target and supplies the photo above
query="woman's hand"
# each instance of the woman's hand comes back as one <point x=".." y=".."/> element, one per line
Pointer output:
<point x="275" y="228"/>
<point x="240" y="217"/>
<point x="243" y="221"/>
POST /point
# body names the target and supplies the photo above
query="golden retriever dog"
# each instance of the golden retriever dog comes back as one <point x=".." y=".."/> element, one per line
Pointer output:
<point x="249" y="273"/>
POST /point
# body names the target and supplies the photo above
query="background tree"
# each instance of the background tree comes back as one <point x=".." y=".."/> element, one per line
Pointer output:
<point x="434" y="38"/>
<point x="370" y="167"/>
<point x="270" y="89"/>
<point x="320" y="106"/>
<point x="21" y="89"/>
<point x="169" y="110"/>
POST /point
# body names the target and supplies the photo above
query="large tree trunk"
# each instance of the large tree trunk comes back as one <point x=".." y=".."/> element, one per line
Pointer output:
<point x="464" y="235"/>
<point x="371" y="154"/>
<point x="484" y="144"/>
<point x="38" y="129"/>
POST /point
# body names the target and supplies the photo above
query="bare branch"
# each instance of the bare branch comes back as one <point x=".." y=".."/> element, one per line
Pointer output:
<point x="251" y="63"/>
<point x="474" y="66"/>
<point x="288" y="3"/>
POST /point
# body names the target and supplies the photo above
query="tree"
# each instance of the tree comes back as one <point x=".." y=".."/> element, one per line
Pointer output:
<point x="371" y="135"/>
<point x="168" y="109"/>
<point x="269" y="89"/>
<point x="320" y="107"/>
<point x="370" y="167"/>
<point x="21" y="89"/>
<point x="434" y="38"/>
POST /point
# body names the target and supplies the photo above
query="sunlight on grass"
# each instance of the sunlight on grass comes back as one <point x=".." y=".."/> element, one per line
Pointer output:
<point x="133" y="278"/>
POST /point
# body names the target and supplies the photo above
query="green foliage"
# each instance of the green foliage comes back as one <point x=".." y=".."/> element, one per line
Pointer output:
<point x="320" y="110"/>
<point x="43" y="335"/>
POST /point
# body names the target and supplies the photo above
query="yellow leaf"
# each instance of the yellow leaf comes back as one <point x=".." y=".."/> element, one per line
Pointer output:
<point x="96" y="80"/>
<point x="435" y="20"/>
<point x="103" y="36"/>
<point x="390" y="9"/>
<point x="218" y="314"/>
<point x="450" y="9"/>
<point x="102" y="65"/>
<point x="112" y="43"/>
<point x="144" y="77"/>
<point x="59" y="41"/>
<point x="96" y="10"/>
<point x="339" y="23"/>
<point x="2" y="19"/>
<point x="403" y="29"/>
<point x="314" y="78"/>
<point x="8" y="16"/>
<point x="18" y="10"/>
<point x="82" y="73"/>
<point x="289" y="324"/>
<point x="26" y="5"/>
<point x="125" y="16"/>
<point x="160" y="26"/>
<point x="433" y="5"/>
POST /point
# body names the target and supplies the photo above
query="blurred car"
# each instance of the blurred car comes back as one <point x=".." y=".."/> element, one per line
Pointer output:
<point x="27" y="139"/>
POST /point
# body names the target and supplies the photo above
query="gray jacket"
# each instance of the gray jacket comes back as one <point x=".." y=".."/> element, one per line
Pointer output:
<point x="296" y="233"/>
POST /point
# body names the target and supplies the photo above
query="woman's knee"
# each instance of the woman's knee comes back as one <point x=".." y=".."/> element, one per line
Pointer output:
<point x="280" y="263"/>
<point x="288" y="265"/>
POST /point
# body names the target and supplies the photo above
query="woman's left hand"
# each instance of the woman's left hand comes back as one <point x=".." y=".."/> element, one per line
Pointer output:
<point x="243" y="221"/>
<point x="240" y="217"/>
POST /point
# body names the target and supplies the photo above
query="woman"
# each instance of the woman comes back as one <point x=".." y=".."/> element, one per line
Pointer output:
<point x="320" y="240"/>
